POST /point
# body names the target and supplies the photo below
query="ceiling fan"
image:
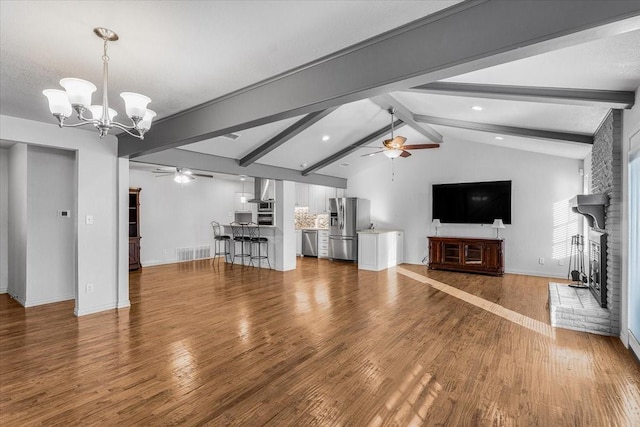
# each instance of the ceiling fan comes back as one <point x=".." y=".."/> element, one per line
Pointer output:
<point x="180" y="175"/>
<point x="394" y="146"/>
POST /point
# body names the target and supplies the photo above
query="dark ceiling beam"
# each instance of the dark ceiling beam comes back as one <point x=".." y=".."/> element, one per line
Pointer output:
<point x="403" y="113"/>
<point x="598" y="98"/>
<point x="210" y="163"/>
<point x="466" y="37"/>
<point x="506" y="130"/>
<point x="305" y="123"/>
<point x="351" y="148"/>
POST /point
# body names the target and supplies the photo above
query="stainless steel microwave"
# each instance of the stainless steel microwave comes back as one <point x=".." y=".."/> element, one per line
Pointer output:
<point x="265" y="207"/>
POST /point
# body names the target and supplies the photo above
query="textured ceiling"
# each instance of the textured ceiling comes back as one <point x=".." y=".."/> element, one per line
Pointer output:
<point x="210" y="49"/>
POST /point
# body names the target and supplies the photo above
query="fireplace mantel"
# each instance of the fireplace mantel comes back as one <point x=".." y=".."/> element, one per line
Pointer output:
<point x="592" y="207"/>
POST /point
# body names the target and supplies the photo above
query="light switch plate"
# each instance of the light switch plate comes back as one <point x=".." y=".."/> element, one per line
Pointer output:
<point x="89" y="220"/>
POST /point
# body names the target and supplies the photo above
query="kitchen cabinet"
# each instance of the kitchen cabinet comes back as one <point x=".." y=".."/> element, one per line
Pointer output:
<point x="323" y="243"/>
<point x="485" y="256"/>
<point x="315" y="197"/>
<point x="378" y="249"/>
<point x="298" y="242"/>
<point x="302" y="194"/>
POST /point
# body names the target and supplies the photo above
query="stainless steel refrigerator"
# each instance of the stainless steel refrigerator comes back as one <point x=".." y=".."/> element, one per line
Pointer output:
<point x="348" y="215"/>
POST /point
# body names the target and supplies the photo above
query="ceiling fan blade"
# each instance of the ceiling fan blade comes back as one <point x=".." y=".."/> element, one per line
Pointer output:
<point x="420" y="146"/>
<point x="371" y="154"/>
<point x="405" y="154"/>
<point x="202" y="175"/>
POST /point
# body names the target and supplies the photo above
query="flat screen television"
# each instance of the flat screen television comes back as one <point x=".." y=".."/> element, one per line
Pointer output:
<point x="472" y="202"/>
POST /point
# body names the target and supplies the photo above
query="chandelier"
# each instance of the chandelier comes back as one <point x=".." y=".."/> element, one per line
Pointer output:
<point x="77" y="97"/>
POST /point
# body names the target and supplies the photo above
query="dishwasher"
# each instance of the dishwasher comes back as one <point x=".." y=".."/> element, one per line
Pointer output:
<point x="310" y="243"/>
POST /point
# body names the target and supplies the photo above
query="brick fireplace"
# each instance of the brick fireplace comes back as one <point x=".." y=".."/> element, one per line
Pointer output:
<point x="598" y="310"/>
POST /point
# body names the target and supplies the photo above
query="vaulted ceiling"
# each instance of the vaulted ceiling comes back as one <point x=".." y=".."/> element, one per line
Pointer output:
<point x="544" y="76"/>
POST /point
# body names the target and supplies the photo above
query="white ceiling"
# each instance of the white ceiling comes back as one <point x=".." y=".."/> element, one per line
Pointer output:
<point x="212" y="48"/>
<point x="179" y="53"/>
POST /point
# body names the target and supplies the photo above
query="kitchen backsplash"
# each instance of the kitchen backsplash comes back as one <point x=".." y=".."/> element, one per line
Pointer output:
<point x="304" y="219"/>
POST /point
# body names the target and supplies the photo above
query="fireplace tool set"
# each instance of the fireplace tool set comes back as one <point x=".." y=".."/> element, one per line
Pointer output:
<point x="576" y="259"/>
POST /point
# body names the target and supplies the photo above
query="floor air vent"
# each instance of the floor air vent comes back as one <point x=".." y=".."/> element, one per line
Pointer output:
<point x="189" y="254"/>
<point x="202" y="252"/>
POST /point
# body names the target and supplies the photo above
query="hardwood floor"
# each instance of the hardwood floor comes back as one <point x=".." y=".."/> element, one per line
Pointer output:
<point x="323" y="345"/>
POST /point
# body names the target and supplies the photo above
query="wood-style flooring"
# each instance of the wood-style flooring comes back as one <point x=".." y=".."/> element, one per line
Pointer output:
<point x="324" y="345"/>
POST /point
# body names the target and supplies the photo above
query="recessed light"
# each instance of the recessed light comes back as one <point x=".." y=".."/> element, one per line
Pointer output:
<point x="231" y="136"/>
<point x="476" y="108"/>
<point x="499" y="138"/>
<point x="345" y="164"/>
<point x="303" y="165"/>
<point x="326" y="138"/>
<point x="243" y="177"/>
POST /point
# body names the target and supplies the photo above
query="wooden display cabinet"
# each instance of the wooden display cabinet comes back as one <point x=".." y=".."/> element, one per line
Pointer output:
<point x="134" y="229"/>
<point x="471" y="255"/>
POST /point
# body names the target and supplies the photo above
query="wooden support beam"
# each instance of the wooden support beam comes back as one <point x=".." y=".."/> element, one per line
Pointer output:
<point x="351" y="148"/>
<point x="506" y="130"/>
<point x="305" y="123"/>
<point x="463" y="38"/>
<point x="599" y="98"/>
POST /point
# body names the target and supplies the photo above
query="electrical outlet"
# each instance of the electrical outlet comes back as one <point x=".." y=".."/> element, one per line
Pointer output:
<point x="540" y="260"/>
<point x="164" y="252"/>
<point x="89" y="220"/>
<point x="560" y="262"/>
<point x="89" y="288"/>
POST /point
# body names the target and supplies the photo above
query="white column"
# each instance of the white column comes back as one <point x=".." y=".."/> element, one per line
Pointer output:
<point x="123" y="233"/>
<point x="285" y="238"/>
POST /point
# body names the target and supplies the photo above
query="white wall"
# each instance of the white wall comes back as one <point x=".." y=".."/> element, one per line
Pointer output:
<point x="51" y="186"/>
<point x="176" y="216"/>
<point x="4" y="220"/>
<point x="17" y="223"/>
<point x="541" y="186"/>
<point x="97" y="195"/>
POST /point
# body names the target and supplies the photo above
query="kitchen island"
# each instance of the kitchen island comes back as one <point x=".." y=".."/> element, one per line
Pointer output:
<point x="379" y="249"/>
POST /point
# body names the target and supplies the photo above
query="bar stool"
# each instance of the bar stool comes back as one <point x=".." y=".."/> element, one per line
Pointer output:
<point x="240" y="237"/>
<point x="256" y="245"/>
<point x="221" y="244"/>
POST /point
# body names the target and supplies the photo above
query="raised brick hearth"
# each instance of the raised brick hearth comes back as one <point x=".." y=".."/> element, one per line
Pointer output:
<point x="577" y="309"/>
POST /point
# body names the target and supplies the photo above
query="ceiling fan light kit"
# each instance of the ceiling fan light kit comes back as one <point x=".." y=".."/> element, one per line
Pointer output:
<point x="77" y="97"/>
<point x="392" y="153"/>
<point x="394" y="146"/>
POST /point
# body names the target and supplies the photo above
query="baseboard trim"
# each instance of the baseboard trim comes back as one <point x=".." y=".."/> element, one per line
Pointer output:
<point x="97" y="309"/>
<point x="634" y="344"/>
<point x="535" y="273"/>
<point x="4" y="290"/>
<point x="16" y="298"/>
<point x="34" y="303"/>
<point x="154" y="262"/>
<point x="124" y="304"/>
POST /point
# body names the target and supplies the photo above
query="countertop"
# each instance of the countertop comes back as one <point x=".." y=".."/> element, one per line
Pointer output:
<point x="377" y="231"/>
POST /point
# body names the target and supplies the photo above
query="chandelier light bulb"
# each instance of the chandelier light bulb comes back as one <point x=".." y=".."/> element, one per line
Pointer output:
<point x="78" y="90"/>
<point x="145" y="123"/>
<point x="135" y="104"/>
<point x="96" y="112"/>
<point x="58" y="102"/>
